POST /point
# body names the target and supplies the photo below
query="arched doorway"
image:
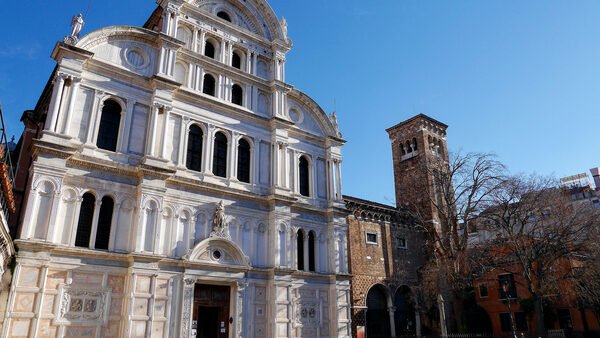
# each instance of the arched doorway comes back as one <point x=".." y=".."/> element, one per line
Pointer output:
<point x="404" y="317"/>
<point x="378" y="318"/>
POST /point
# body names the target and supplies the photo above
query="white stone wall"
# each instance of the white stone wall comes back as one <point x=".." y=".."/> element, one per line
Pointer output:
<point x="161" y="238"/>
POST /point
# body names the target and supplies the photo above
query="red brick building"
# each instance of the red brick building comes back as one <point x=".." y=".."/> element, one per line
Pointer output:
<point x="386" y="248"/>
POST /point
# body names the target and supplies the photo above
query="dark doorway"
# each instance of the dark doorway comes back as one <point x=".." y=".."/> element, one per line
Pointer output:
<point x="211" y="311"/>
<point x="405" y="312"/>
<point x="208" y="325"/>
<point x="378" y="318"/>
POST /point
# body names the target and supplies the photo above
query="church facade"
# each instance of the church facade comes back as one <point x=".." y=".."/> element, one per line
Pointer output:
<point x="180" y="187"/>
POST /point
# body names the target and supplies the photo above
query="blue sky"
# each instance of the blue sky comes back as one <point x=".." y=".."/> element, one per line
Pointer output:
<point x="517" y="78"/>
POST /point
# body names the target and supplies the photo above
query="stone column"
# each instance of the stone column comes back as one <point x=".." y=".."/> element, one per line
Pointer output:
<point x="95" y="223"/>
<point x="339" y="180"/>
<point x="202" y="41"/>
<point x="248" y="97"/>
<point x="241" y="311"/>
<point x="75" y="83"/>
<point x="194" y="46"/>
<point x="391" y="311"/>
<point x="55" y="102"/>
<point x="126" y="130"/>
<point x="54" y="208"/>
<point x="183" y="140"/>
<point x="187" y="302"/>
<point x="152" y="122"/>
<point x="209" y="148"/>
<point x="254" y="63"/>
<point x="232" y="170"/>
<point x="93" y="121"/>
<point x="114" y="224"/>
<point x="73" y="233"/>
<point x="167" y="114"/>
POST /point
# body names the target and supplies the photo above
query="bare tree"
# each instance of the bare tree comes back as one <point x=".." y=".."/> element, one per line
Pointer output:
<point x="535" y="230"/>
<point x="456" y="191"/>
<point x="587" y="275"/>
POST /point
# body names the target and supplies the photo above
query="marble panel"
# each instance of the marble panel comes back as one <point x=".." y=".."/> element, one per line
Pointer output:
<point x="29" y="277"/>
<point x="85" y="279"/>
<point x="138" y="329"/>
<point x="162" y="287"/>
<point x="48" y="304"/>
<point x="24" y="302"/>
<point x="80" y="332"/>
<point x="111" y="330"/>
<point x="116" y="284"/>
<point x="46" y="329"/>
<point x="19" y="328"/>
<point x="142" y="284"/>
<point x="140" y="307"/>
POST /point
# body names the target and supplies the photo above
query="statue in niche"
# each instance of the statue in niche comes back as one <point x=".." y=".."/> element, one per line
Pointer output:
<point x="220" y="227"/>
<point x="76" y="26"/>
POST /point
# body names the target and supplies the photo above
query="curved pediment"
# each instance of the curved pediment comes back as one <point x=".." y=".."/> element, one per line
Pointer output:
<point x="129" y="47"/>
<point x="256" y="16"/>
<point x="308" y="116"/>
<point x="219" y="251"/>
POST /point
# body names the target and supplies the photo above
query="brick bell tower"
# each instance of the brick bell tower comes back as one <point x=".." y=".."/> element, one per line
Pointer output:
<point x="417" y="144"/>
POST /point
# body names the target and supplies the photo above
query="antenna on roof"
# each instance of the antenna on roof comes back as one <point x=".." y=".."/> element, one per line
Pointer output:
<point x="88" y="8"/>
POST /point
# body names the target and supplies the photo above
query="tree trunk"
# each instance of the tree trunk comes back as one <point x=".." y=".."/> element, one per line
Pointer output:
<point x="539" y="316"/>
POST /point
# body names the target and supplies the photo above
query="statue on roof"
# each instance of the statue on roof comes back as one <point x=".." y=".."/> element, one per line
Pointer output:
<point x="334" y="122"/>
<point x="76" y="27"/>
<point x="284" y="27"/>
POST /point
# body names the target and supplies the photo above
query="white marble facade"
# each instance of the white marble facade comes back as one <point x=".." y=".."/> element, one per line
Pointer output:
<point x="161" y="238"/>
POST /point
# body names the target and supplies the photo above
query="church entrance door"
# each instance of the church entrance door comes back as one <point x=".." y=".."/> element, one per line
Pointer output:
<point x="211" y="311"/>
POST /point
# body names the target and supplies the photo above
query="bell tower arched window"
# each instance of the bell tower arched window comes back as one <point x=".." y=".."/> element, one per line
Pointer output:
<point x="108" y="132"/>
<point x="237" y="95"/>
<point x="304" y="177"/>
<point x="209" y="49"/>
<point x="300" y="249"/>
<point x="243" y="167"/>
<point x="311" y="251"/>
<point x="220" y="155"/>
<point x="209" y="85"/>
<point x="104" y="223"/>
<point x="194" y="149"/>
<point x="84" y="224"/>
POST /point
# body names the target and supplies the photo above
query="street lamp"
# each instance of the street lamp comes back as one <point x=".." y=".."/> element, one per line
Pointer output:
<point x="506" y="289"/>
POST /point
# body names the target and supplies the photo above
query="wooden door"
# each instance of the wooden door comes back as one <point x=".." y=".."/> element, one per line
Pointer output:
<point x="211" y="311"/>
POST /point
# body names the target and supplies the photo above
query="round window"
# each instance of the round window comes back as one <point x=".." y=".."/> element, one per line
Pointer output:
<point x="216" y="255"/>
<point x="135" y="58"/>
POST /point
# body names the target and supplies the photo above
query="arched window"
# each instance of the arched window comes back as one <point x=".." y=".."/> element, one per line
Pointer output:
<point x="209" y="49"/>
<point x="220" y="155"/>
<point x="311" y="251"/>
<point x="104" y="223"/>
<point x="209" y="85"/>
<point x="108" y="132"/>
<point x="415" y="146"/>
<point x="84" y="224"/>
<point x="304" y="177"/>
<point x="236" y="60"/>
<point x="223" y="15"/>
<point x="194" y="149"/>
<point x="237" y="95"/>
<point x="300" y="249"/>
<point x="243" y="167"/>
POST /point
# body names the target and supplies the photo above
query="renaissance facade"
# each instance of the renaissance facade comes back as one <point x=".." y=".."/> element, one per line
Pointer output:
<point x="180" y="187"/>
